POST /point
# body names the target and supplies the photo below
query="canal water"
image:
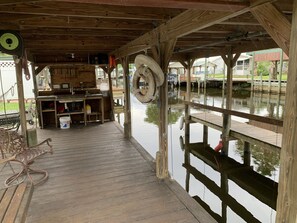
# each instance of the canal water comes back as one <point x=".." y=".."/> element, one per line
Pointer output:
<point x="228" y="188"/>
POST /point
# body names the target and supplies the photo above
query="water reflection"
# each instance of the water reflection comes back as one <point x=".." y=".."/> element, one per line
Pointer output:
<point x="240" y="188"/>
<point x="231" y="182"/>
<point x="152" y="115"/>
<point x="266" y="161"/>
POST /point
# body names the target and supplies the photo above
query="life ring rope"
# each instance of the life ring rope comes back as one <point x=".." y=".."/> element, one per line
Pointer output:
<point x="148" y="70"/>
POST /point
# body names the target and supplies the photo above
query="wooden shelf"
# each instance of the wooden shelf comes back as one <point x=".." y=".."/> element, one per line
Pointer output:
<point x="70" y="113"/>
<point x="48" y="110"/>
<point x="49" y="113"/>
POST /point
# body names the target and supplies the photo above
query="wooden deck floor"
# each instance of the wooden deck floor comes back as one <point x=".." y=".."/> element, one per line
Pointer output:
<point x="239" y="130"/>
<point x="98" y="176"/>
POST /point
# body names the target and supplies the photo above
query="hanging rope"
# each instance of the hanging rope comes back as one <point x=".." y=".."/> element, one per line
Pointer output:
<point x="7" y="121"/>
<point x="147" y="69"/>
<point x="3" y="95"/>
<point x="11" y="90"/>
<point x="25" y="66"/>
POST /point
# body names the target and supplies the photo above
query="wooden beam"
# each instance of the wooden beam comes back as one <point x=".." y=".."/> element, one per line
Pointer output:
<point x="83" y="10"/>
<point x="287" y="196"/>
<point x="240" y="47"/>
<point x="275" y="23"/>
<point x="181" y="25"/>
<point x="218" y="5"/>
<point x="33" y="21"/>
<point x="37" y="70"/>
<point x="13" y="2"/>
<point x="39" y="32"/>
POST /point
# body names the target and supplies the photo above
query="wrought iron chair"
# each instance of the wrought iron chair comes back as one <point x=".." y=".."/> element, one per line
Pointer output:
<point x="14" y="149"/>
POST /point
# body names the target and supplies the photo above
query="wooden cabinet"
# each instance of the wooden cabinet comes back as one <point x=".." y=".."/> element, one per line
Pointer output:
<point x="96" y="105"/>
<point x="54" y="107"/>
<point x="48" y="114"/>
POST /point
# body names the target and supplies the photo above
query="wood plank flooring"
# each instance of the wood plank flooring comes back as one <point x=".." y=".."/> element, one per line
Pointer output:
<point x="96" y="175"/>
<point x="249" y="133"/>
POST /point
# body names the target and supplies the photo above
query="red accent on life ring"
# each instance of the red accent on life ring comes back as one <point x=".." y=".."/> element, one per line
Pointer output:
<point x="219" y="146"/>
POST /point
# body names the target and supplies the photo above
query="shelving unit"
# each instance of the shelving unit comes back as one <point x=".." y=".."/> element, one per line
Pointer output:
<point x="48" y="110"/>
<point x="97" y="109"/>
<point x="54" y="107"/>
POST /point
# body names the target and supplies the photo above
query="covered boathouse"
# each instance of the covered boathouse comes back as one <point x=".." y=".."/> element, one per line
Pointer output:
<point x="97" y="173"/>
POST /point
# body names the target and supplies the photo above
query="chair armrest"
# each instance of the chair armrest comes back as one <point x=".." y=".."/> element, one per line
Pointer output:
<point x="7" y="159"/>
<point x="47" y="141"/>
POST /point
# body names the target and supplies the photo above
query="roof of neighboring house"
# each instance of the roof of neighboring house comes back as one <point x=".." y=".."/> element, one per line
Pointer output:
<point x="201" y="62"/>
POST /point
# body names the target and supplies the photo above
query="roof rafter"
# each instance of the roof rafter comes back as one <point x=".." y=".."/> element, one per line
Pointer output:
<point x="187" y="22"/>
<point x="90" y="11"/>
<point x="218" y="5"/>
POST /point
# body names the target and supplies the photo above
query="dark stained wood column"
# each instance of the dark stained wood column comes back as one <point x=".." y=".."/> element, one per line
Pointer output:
<point x="287" y="196"/>
<point x="127" y="104"/>
<point x="162" y="54"/>
<point x="230" y="62"/>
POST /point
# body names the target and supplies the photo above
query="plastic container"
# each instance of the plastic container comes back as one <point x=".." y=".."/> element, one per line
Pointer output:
<point x="65" y="122"/>
<point x="89" y="109"/>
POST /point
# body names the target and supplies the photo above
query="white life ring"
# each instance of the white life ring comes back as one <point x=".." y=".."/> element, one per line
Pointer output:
<point x="148" y="92"/>
<point x="153" y="65"/>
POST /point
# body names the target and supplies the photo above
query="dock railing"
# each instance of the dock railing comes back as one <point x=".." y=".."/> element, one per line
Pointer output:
<point x="268" y="120"/>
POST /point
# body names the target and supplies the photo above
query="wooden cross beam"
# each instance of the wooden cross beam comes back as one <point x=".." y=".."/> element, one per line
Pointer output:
<point x="187" y="22"/>
<point x="275" y="23"/>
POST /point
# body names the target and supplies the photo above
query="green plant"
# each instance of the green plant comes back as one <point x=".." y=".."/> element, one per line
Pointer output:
<point x="263" y="68"/>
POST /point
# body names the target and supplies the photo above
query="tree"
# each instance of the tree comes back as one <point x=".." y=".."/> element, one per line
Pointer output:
<point x="263" y="68"/>
<point x="152" y="113"/>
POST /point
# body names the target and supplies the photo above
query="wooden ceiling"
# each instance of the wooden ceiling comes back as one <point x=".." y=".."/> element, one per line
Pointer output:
<point x="72" y="30"/>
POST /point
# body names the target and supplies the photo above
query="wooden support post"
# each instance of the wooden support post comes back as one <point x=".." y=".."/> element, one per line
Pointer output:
<point x="187" y="160"/>
<point x="117" y="75"/>
<point x="162" y="54"/>
<point x="225" y="190"/>
<point x="224" y="76"/>
<point x="19" y="78"/>
<point x="281" y="71"/>
<point x="205" y="135"/>
<point x="247" y="154"/>
<point x="230" y="61"/>
<point x="269" y="83"/>
<point x="107" y="70"/>
<point x="261" y="81"/>
<point x="187" y="65"/>
<point x="287" y="196"/>
<point x="253" y="72"/>
<point x="127" y="104"/>
<point x="35" y="90"/>
<point x="205" y="74"/>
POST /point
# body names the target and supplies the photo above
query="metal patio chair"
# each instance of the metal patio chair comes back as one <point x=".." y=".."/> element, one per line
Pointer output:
<point x="14" y="149"/>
